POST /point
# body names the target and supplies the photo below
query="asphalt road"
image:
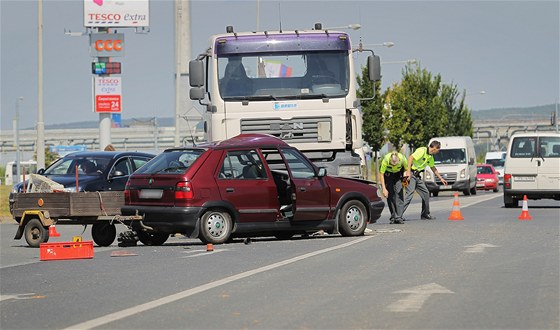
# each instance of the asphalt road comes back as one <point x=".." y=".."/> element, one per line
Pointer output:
<point x="489" y="271"/>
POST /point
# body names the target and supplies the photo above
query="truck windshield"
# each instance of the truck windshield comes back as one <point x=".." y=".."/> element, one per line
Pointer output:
<point x="289" y="75"/>
<point x="450" y="156"/>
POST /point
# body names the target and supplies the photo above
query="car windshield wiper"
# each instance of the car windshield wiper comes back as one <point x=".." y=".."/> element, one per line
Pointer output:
<point x="251" y="98"/>
<point x="313" y="96"/>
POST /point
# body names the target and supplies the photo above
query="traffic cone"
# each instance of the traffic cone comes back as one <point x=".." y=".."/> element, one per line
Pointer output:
<point x="525" y="212"/>
<point x="53" y="232"/>
<point x="209" y="247"/>
<point x="456" y="210"/>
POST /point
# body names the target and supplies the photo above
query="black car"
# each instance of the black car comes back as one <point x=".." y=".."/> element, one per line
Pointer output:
<point x="96" y="170"/>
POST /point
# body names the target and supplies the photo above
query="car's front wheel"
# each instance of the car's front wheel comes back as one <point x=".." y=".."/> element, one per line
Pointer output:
<point x="352" y="220"/>
<point x="215" y="227"/>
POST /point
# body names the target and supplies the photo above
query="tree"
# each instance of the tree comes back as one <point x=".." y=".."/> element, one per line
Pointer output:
<point x="372" y="117"/>
<point x="415" y="111"/>
<point x="459" y="115"/>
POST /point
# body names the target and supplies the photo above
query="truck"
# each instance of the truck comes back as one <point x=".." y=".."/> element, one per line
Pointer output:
<point x="497" y="159"/>
<point x="297" y="85"/>
<point x="456" y="162"/>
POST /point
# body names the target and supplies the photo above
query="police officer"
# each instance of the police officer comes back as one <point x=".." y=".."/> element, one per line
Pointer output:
<point x="417" y="163"/>
<point x="392" y="169"/>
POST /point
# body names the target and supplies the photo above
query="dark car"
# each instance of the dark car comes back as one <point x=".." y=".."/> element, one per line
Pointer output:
<point x="486" y="177"/>
<point x="249" y="185"/>
<point x="96" y="170"/>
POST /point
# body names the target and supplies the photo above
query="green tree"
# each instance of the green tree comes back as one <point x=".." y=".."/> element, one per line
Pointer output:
<point x="459" y="115"/>
<point x="49" y="156"/>
<point x="415" y="111"/>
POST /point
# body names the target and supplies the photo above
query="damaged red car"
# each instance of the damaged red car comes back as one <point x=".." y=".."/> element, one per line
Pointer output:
<point x="248" y="186"/>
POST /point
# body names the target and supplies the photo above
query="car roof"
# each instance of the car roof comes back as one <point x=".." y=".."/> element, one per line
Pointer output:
<point x="241" y="141"/>
<point x="107" y="154"/>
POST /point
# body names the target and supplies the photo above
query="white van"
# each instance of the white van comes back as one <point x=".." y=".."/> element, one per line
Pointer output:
<point x="10" y="177"/>
<point x="497" y="159"/>
<point x="532" y="167"/>
<point x="456" y="162"/>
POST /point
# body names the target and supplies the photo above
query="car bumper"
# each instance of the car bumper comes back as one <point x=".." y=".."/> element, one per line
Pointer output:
<point x="375" y="210"/>
<point x="532" y="194"/>
<point x="457" y="186"/>
<point x="167" y="219"/>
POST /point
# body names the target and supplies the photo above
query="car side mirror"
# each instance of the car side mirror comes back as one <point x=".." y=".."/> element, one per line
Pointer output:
<point x="117" y="173"/>
<point x="322" y="172"/>
<point x="41" y="171"/>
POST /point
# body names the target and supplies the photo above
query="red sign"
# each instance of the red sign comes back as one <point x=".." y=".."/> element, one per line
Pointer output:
<point x="107" y="103"/>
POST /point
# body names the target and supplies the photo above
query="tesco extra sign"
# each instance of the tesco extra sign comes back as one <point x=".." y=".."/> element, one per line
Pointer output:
<point x="106" y="44"/>
<point x="116" y="13"/>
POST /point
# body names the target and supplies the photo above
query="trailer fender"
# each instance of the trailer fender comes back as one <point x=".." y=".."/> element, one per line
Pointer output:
<point x="43" y="216"/>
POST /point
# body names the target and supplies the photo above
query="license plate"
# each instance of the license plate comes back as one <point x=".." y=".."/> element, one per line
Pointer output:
<point x="524" y="178"/>
<point x="480" y="184"/>
<point x="151" y="193"/>
<point x="444" y="187"/>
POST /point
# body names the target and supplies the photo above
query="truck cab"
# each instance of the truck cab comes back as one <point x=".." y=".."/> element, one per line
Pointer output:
<point x="299" y="86"/>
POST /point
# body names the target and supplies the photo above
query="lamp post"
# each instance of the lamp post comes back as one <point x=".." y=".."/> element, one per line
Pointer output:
<point x="410" y="61"/>
<point x="16" y="128"/>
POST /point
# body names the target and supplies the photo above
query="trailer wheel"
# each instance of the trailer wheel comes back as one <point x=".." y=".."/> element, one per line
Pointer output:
<point x="103" y="234"/>
<point x="352" y="220"/>
<point x="152" y="238"/>
<point x="215" y="227"/>
<point x="35" y="233"/>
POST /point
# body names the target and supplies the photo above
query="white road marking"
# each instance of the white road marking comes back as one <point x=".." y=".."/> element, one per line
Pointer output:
<point x="478" y="248"/>
<point x="204" y="253"/>
<point x="17" y="296"/>
<point x="416" y="298"/>
<point x="105" y="319"/>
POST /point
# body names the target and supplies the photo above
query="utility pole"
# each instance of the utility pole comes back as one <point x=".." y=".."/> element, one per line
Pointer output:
<point x="40" y="121"/>
<point x="182" y="58"/>
<point x="16" y="129"/>
<point x="104" y="117"/>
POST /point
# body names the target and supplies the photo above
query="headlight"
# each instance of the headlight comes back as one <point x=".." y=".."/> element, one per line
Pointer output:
<point x="349" y="170"/>
<point x="462" y="174"/>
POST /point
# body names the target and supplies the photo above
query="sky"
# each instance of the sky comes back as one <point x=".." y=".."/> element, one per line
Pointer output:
<point x="508" y="49"/>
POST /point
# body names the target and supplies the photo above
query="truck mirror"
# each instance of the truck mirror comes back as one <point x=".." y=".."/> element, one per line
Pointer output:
<point x="374" y="68"/>
<point x="197" y="93"/>
<point x="196" y="73"/>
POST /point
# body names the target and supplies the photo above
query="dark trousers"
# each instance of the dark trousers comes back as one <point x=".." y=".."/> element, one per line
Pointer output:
<point x="418" y="185"/>
<point x="395" y="199"/>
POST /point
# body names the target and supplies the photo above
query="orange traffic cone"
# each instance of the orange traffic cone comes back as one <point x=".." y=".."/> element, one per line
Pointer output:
<point x="456" y="211"/>
<point x="53" y="232"/>
<point x="525" y="212"/>
<point x="209" y="247"/>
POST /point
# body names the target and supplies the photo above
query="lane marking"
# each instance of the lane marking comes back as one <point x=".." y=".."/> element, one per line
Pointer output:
<point x="417" y="297"/>
<point x="187" y="293"/>
<point x="478" y="248"/>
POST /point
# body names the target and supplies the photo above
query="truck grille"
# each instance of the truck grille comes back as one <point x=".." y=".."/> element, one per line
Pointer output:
<point x="308" y="129"/>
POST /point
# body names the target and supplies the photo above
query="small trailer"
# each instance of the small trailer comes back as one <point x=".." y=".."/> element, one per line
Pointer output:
<point x="37" y="211"/>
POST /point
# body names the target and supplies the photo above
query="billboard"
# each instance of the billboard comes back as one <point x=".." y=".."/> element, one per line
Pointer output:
<point x="116" y="13"/>
<point x="107" y="94"/>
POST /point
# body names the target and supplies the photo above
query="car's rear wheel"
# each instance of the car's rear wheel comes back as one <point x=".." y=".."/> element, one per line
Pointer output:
<point x="352" y="220"/>
<point x="103" y="234"/>
<point x="35" y="233"/>
<point x="215" y="227"/>
<point x="153" y="239"/>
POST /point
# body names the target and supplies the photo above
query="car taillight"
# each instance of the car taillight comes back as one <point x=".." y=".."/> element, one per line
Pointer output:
<point x="507" y="181"/>
<point x="127" y="191"/>
<point x="183" y="190"/>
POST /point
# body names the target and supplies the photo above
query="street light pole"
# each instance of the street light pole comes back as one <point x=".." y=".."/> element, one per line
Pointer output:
<point x="16" y="128"/>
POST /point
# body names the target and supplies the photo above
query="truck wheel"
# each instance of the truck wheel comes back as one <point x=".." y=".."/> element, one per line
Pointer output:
<point x="467" y="192"/>
<point x="152" y="239"/>
<point x="473" y="190"/>
<point x="435" y="193"/>
<point x="35" y="233"/>
<point x="103" y="234"/>
<point x="215" y="227"/>
<point x="352" y="219"/>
